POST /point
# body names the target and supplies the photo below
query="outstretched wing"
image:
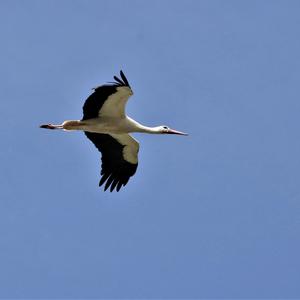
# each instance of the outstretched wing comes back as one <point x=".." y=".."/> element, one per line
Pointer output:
<point x="108" y="100"/>
<point x="119" y="158"/>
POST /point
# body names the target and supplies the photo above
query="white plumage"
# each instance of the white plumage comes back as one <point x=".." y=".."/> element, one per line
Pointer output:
<point x="105" y="123"/>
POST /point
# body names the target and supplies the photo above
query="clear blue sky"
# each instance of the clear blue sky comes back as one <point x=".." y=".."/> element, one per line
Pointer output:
<point x="215" y="214"/>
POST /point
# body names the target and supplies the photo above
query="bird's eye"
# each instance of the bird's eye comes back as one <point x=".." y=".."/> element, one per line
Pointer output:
<point x="165" y="127"/>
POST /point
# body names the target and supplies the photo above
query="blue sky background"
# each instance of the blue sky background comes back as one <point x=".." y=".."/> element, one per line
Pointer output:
<point x="212" y="215"/>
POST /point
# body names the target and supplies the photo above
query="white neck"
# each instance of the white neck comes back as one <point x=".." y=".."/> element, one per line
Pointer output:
<point x="137" y="127"/>
<point x="146" y="129"/>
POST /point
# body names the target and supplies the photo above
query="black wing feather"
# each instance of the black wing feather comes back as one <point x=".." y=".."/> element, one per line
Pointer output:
<point x="95" y="101"/>
<point x="124" y="78"/>
<point x="116" y="171"/>
<point x="118" y="80"/>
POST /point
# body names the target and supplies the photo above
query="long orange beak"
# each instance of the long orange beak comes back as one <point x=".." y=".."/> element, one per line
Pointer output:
<point x="172" y="131"/>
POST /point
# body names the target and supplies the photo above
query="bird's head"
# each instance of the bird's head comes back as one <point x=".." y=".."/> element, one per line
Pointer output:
<point x="167" y="130"/>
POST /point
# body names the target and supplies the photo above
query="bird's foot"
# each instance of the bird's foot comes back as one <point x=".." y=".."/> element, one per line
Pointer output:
<point x="48" y="126"/>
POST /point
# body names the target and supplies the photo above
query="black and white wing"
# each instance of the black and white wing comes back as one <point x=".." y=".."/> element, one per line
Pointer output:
<point x="108" y="100"/>
<point x="119" y="158"/>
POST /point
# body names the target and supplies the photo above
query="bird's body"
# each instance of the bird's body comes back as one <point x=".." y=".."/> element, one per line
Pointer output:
<point x="105" y="123"/>
<point x="108" y="125"/>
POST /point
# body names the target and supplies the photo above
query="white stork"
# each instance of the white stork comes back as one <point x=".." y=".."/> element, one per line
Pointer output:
<point x="105" y="123"/>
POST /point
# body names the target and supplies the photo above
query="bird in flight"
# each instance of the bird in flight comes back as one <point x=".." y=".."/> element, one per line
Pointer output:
<point x="107" y="126"/>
